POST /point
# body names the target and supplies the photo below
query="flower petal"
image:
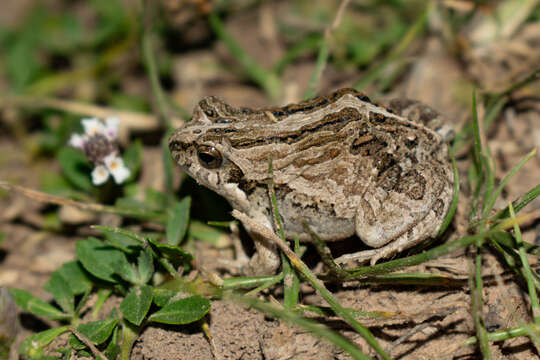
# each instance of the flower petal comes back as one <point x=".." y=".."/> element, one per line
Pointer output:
<point x="77" y="141"/>
<point x="93" y="126"/>
<point x="111" y="127"/>
<point x="116" y="167"/>
<point x="100" y="174"/>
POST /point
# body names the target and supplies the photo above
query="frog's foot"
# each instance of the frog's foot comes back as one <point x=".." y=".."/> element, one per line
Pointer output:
<point x="374" y="255"/>
<point x="363" y="257"/>
<point x="265" y="261"/>
<point x="241" y="259"/>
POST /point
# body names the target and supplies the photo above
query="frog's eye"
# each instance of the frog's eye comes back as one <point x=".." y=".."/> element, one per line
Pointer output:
<point x="209" y="157"/>
<point x="174" y="146"/>
<point x="211" y="113"/>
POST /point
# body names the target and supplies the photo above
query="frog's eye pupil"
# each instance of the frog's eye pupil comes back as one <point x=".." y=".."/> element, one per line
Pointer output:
<point x="209" y="157"/>
<point x="210" y="113"/>
<point x="174" y="146"/>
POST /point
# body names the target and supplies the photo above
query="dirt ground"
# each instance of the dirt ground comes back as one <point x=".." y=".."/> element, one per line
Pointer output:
<point x="426" y="322"/>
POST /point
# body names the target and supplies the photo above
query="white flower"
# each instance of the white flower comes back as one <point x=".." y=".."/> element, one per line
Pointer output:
<point x="92" y="126"/>
<point x="100" y="174"/>
<point x="77" y="141"/>
<point x="116" y="167"/>
<point x="111" y="127"/>
<point x="99" y="145"/>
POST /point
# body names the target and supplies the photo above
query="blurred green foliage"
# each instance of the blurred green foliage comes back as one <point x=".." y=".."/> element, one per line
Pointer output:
<point x="45" y="36"/>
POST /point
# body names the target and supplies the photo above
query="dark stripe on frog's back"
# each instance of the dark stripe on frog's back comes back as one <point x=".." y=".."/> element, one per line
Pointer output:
<point x="311" y="105"/>
<point x="333" y="123"/>
<point x="241" y="138"/>
<point x="279" y="113"/>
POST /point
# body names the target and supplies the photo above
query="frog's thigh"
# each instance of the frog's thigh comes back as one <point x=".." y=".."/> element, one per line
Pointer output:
<point x="414" y="236"/>
<point x="381" y="220"/>
<point x="384" y="214"/>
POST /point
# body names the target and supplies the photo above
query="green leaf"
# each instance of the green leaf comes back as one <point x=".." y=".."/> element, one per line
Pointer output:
<point x="183" y="311"/>
<point x="21" y="64"/>
<point x="137" y="208"/>
<point x="135" y="239"/>
<point x="132" y="158"/>
<point x="98" y="258"/>
<point x="145" y="266"/>
<point x="122" y="241"/>
<point x="209" y="234"/>
<point x="136" y="304"/>
<point x="76" y="168"/>
<point x="163" y="296"/>
<point x="177" y="256"/>
<point x="113" y="349"/>
<point x="102" y="295"/>
<point x="168" y="164"/>
<point x="54" y="183"/>
<point x="76" y="343"/>
<point x="156" y="199"/>
<point x="74" y="274"/>
<point x="98" y="331"/>
<point x="125" y="270"/>
<point x="178" y="221"/>
<point x="62" y="32"/>
<point x="33" y="345"/>
<point x="61" y="291"/>
<point x="30" y="303"/>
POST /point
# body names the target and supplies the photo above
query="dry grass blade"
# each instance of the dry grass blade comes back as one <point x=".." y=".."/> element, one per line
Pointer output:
<point x="87" y="342"/>
<point x="323" y="52"/>
<point x="57" y="200"/>
<point x="131" y="120"/>
<point x="52" y="199"/>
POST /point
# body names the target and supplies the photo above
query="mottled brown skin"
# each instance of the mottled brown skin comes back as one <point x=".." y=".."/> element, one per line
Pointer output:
<point x="340" y="163"/>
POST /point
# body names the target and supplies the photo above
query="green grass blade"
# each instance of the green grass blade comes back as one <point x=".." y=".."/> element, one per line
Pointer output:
<point x="378" y="69"/>
<point x="519" y="203"/>
<point x="503" y="335"/>
<point x="477" y="304"/>
<point x="324" y="50"/>
<point x="322" y="58"/>
<point x="310" y="325"/>
<point x="491" y="201"/>
<point x="265" y="78"/>
<point x="527" y="272"/>
<point x="301" y="47"/>
<point x="151" y="68"/>
<point x="418" y="258"/>
<point x="453" y="206"/>
<point x="316" y="283"/>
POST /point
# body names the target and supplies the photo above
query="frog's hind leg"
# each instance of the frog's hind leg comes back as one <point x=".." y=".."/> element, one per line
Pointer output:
<point x="403" y="242"/>
<point x="412" y="237"/>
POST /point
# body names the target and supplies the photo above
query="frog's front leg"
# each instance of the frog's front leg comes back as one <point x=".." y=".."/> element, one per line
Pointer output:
<point x="266" y="259"/>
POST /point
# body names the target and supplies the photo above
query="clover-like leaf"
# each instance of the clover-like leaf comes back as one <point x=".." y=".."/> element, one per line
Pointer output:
<point x="183" y="311"/>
